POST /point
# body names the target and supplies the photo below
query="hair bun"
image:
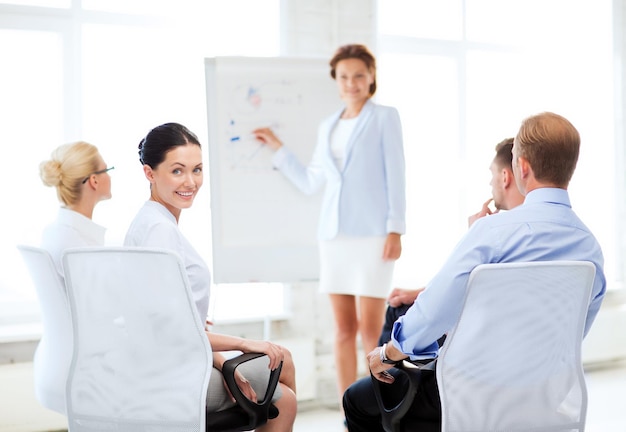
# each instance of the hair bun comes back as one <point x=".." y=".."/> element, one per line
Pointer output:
<point x="51" y="173"/>
<point x="140" y="152"/>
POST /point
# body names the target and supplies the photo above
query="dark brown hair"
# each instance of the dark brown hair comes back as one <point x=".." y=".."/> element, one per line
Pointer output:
<point x="162" y="139"/>
<point x="504" y="155"/>
<point x="355" y="51"/>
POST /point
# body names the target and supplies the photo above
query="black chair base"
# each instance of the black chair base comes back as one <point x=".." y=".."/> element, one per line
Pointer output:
<point x="234" y="419"/>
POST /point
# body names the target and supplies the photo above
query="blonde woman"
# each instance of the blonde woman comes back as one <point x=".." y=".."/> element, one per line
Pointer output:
<point x="79" y="175"/>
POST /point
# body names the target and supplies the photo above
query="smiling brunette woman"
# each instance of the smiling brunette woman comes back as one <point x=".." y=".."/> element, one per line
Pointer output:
<point x="172" y="162"/>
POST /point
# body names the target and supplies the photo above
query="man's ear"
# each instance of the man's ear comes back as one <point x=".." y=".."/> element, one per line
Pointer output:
<point x="524" y="167"/>
<point x="507" y="178"/>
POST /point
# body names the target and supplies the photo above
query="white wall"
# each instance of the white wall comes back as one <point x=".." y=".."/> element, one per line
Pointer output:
<point x="318" y="27"/>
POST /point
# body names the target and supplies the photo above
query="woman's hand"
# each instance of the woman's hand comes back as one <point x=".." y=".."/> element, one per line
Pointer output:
<point x="244" y="385"/>
<point x="221" y="342"/>
<point x="393" y="247"/>
<point x="267" y="137"/>
<point x="273" y="351"/>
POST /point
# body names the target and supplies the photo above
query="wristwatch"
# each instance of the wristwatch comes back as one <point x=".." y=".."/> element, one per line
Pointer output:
<point x="383" y="356"/>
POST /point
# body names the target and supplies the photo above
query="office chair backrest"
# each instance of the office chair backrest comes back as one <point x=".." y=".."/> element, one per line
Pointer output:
<point x="54" y="351"/>
<point x="141" y="359"/>
<point x="513" y="362"/>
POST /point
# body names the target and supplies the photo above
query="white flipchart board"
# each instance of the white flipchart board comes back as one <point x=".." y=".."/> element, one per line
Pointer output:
<point x="263" y="228"/>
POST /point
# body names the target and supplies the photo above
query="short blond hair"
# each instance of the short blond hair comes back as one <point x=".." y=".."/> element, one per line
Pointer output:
<point x="67" y="167"/>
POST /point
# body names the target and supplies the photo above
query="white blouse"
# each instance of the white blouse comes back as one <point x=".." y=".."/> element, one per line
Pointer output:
<point x="339" y="140"/>
<point x="155" y="226"/>
<point x="71" y="229"/>
<point x="53" y="356"/>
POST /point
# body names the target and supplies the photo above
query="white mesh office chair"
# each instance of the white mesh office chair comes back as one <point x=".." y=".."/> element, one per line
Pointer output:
<point x="513" y="361"/>
<point x="141" y="359"/>
<point x="54" y="351"/>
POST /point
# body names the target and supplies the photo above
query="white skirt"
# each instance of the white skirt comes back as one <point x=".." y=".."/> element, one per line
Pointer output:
<point x="355" y="266"/>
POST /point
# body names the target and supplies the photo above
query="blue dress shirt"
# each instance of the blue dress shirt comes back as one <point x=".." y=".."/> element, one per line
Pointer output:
<point x="543" y="228"/>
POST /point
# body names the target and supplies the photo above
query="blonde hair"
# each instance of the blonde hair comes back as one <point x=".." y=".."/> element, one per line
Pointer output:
<point x="68" y="166"/>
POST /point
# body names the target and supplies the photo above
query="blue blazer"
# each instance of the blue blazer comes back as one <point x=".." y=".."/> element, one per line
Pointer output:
<point x="367" y="198"/>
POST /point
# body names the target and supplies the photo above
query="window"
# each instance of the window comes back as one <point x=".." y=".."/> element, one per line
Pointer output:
<point x="460" y="93"/>
<point x="43" y="3"/>
<point x="106" y="72"/>
<point x="30" y="81"/>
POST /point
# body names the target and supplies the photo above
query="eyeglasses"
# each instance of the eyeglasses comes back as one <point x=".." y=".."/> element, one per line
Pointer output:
<point x="97" y="172"/>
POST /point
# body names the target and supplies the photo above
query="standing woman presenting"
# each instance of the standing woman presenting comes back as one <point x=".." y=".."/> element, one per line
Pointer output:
<point x="359" y="156"/>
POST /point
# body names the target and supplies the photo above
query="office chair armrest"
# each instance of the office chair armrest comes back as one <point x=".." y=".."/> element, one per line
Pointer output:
<point x="392" y="411"/>
<point x="262" y="407"/>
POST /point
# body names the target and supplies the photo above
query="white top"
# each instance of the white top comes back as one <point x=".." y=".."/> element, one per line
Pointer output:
<point x="339" y="138"/>
<point x="53" y="356"/>
<point x="156" y="226"/>
<point x="71" y="229"/>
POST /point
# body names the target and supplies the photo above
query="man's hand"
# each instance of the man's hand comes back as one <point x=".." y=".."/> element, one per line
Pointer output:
<point x="400" y="296"/>
<point x="378" y="368"/>
<point x="484" y="211"/>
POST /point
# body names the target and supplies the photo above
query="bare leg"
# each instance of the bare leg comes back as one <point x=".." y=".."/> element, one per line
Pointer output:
<point x="287" y="407"/>
<point x="346" y="326"/>
<point x="371" y="319"/>
<point x="288" y="372"/>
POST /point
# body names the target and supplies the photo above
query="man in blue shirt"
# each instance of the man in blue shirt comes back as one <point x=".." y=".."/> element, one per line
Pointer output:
<point x="504" y="196"/>
<point x="543" y="228"/>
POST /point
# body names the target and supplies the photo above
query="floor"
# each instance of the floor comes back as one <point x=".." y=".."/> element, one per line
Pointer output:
<point x="19" y="412"/>
<point x="605" y="413"/>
